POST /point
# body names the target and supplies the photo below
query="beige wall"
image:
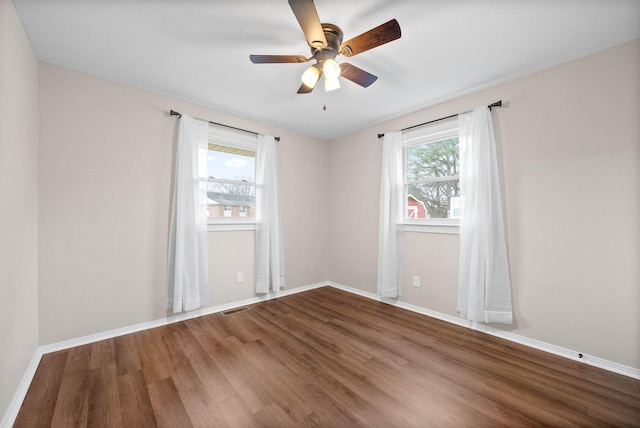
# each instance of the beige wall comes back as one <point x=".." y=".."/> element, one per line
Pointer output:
<point x="569" y="146"/>
<point x="85" y="172"/>
<point x="18" y="203"/>
<point x="106" y="159"/>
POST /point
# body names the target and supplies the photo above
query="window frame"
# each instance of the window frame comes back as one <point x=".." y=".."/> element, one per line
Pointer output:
<point x="431" y="133"/>
<point x="238" y="140"/>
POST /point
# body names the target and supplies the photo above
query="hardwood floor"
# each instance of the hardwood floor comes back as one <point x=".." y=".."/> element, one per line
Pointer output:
<point x="321" y="358"/>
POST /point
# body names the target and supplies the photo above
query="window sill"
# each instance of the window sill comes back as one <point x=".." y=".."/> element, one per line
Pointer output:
<point x="230" y="225"/>
<point x="446" y="227"/>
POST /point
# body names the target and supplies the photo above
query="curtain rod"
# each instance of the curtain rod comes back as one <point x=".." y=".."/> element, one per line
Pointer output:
<point x="175" y="113"/>
<point x="490" y="106"/>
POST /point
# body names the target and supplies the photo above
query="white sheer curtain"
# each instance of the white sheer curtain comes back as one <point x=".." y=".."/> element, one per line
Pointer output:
<point x="390" y="231"/>
<point x="484" y="289"/>
<point x="269" y="251"/>
<point x="188" y="277"/>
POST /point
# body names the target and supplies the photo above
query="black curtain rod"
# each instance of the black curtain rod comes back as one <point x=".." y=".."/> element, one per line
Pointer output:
<point x="496" y="104"/>
<point x="175" y="113"/>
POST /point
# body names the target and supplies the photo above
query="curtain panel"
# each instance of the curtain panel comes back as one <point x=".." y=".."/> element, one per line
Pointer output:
<point x="187" y="276"/>
<point x="484" y="288"/>
<point x="390" y="220"/>
<point x="270" y="274"/>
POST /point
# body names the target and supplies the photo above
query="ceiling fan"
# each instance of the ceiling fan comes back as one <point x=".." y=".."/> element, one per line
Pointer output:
<point x="325" y="41"/>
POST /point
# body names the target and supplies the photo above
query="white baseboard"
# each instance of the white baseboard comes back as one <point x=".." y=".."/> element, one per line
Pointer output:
<point x="18" y="397"/>
<point x="532" y="343"/>
<point x="59" y="346"/>
<point x="23" y="387"/>
<point x="14" y="407"/>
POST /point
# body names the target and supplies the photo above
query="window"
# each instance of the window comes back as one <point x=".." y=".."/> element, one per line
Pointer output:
<point x="431" y="175"/>
<point x="231" y="186"/>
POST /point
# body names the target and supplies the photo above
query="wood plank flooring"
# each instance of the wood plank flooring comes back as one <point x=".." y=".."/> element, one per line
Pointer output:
<point x="321" y="358"/>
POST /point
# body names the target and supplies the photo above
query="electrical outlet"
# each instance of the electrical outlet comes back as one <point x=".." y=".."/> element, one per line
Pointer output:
<point x="239" y="277"/>
<point x="416" y="281"/>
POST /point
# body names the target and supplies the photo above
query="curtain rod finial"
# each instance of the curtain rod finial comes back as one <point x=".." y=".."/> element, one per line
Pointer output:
<point x="496" y="104"/>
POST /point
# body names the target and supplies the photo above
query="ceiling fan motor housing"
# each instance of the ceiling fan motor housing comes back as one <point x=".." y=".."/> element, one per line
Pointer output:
<point x="325" y="42"/>
<point x="333" y="34"/>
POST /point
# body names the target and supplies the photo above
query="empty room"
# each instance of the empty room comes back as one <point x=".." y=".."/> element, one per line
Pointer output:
<point x="319" y="213"/>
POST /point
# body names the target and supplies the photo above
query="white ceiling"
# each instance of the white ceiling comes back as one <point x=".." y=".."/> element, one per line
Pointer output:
<point x="198" y="50"/>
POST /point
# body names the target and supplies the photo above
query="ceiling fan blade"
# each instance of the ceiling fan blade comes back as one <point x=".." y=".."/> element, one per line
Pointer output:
<point x="385" y="33"/>
<point x="307" y="15"/>
<point x="357" y="75"/>
<point x="304" y="89"/>
<point x="272" y="59"/>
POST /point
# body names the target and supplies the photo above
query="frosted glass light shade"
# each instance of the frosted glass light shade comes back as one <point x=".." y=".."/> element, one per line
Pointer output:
<point x="331" y="84"/>
<point x="310" y="76"/>
<point x="331" y="69"/>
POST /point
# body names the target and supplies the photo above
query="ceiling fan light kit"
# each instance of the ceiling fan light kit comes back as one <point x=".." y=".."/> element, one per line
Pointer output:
<point x="331" y="84"/>
<point x="310" y="76"/>
<point x="331" y="68"/>
<point x="325" y="41"/>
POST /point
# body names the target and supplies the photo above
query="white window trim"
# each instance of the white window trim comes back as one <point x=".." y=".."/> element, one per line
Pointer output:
<point x="448" y="226"/>
<point x="222" y="224"/>
<point x="415" y="137"/>
<point x="239" y="140"/>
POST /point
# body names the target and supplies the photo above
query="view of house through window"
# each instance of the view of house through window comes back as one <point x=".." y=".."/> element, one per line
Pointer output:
<point x="231" y="187"/>
<point x="432" y="187"/>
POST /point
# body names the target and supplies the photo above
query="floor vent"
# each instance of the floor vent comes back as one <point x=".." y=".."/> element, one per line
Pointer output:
<point x="235" y="311"/>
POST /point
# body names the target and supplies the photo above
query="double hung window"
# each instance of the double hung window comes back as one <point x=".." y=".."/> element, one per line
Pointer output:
<point x="431" y="170"/>
<point x="231" y="184"/>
